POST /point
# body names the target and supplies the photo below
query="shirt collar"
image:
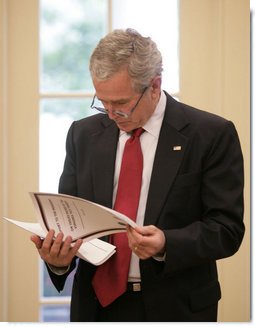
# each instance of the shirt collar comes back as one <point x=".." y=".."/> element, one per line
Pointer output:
<point x="153" y="125"/>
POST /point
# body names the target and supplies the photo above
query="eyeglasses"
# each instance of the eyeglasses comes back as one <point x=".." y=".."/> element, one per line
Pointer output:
<point x="97" y="104"/>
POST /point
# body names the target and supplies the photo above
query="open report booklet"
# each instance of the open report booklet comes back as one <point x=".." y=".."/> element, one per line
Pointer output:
<point x="79" y="218"/>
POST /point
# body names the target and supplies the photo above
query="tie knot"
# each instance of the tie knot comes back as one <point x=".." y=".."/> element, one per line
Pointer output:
<point x="137" y="132"/>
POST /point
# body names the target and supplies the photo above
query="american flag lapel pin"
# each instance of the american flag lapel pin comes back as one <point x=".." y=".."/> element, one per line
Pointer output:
<point x="177" y="148"/>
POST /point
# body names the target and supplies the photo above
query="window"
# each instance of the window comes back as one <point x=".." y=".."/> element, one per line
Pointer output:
<point x="69" y="30"/>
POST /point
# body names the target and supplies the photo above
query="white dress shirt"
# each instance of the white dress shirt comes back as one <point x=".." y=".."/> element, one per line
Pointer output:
<point x="149" y="141"/>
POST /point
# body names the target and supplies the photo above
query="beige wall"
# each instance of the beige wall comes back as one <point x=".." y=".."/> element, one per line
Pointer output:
<point x="1" y="161"/>
<point x="214" y="75"/>
<point x="19" y="158"/>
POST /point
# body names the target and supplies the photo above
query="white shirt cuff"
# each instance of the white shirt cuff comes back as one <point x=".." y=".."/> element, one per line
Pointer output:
<point x="58" y="270"/>
<point x="160" y="257"/>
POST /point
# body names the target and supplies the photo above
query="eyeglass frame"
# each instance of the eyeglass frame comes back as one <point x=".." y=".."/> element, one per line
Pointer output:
<point x="117" y="112"/>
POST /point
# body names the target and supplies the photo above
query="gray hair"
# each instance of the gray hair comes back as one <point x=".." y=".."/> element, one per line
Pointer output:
<point x="128" y="49"/>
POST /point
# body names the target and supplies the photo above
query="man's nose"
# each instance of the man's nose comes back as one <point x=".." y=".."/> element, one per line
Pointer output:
<point x="111" y="109"/>
<point x="111" y="113"/>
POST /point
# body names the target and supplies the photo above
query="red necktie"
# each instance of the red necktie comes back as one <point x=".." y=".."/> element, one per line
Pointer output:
<point x="110" y="279"/>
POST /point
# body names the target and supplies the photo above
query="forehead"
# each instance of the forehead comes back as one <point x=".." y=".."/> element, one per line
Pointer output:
<point x="119" y="86"/>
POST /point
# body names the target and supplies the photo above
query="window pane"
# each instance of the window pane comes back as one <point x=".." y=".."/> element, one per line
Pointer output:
<point x="56" y="116"/>
<point x="55" y="313"/>
<point x="160" y="21"/>
<point x="69" y="30"/>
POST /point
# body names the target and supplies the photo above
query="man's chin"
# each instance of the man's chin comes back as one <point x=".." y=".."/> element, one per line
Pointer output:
<point x="125" y="126"/>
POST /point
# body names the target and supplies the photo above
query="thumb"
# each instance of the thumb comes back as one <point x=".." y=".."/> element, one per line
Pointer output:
<point x="37" y="241"/>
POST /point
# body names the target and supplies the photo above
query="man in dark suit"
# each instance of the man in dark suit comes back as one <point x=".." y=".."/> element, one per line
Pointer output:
<point x="190" y="212"/>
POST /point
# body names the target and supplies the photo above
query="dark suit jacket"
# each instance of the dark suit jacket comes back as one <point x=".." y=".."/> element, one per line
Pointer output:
<point x="195" y="197"/>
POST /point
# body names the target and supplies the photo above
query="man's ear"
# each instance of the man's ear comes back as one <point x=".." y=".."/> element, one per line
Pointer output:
<point x="156" y="86"/>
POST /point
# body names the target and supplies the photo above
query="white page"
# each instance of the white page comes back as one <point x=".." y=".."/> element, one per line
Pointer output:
<point x="34" y="228"/>
<point x="95" y="251"/>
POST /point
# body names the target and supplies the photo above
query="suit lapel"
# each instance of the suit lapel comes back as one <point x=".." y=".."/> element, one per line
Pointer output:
<point x="169" y="154"/>
<point x="103" y="162"/>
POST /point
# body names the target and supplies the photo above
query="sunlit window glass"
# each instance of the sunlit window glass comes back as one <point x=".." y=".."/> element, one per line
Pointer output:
<point x="54" y="313"/>
<point x="56" y="116"/>
<point x="69" y="31"/>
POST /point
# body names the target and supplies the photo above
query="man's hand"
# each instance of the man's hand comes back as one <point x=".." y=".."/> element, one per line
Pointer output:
<point x="56" y="252"/>
<point x="146" y="241"/>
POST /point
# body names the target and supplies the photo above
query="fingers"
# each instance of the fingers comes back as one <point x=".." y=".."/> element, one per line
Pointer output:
<point x="55" y="247"/>
<point x="56" y="251"/>
<point x="37" y="241"/>
<point x="146" y="241"/>
<point x="76" y="246"/>
<point x="47" y="242"/>
<point x="136" y="244"/>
